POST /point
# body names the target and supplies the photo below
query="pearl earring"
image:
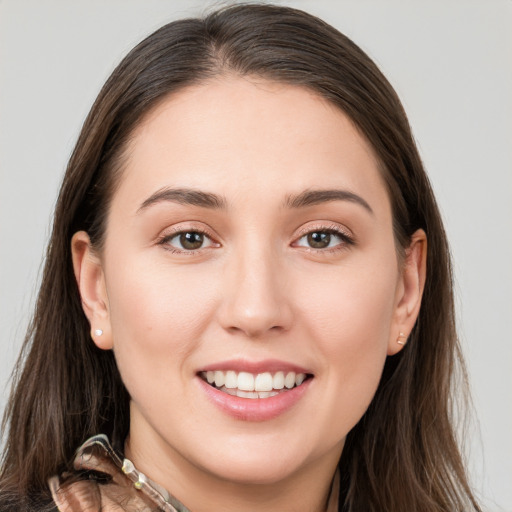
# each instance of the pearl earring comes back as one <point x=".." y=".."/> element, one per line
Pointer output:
<point x="98" y="332"/>
<point x="402" y="338"/>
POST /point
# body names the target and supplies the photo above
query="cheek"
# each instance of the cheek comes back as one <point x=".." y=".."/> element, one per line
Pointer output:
<point x="350" y="317"/>
<point x="157" y="314"/>
<point x="350" y="307"/>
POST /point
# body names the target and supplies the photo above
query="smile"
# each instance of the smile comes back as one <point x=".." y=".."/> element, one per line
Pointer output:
<point x="254" y="386"/>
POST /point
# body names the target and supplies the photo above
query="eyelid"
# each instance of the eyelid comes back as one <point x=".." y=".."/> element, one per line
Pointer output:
<point x="324" y="226"/>
<point x="186" y="227"/>
<point x="345" y="234"/>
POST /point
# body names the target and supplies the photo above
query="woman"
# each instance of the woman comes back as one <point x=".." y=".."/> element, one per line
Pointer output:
<point x="239" y="292"/>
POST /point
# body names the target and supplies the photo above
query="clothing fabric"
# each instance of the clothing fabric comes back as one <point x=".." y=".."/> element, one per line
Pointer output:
<point x="105" y="481"/>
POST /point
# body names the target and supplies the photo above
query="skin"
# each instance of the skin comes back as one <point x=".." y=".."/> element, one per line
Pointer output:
<point x="255" y="290"/>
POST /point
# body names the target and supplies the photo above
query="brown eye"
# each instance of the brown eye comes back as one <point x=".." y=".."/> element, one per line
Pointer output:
<point x="328" y="239"/>
<point x="188" y="241"/>
<point x="319" y="239"/>
<point x="191" y="240"/>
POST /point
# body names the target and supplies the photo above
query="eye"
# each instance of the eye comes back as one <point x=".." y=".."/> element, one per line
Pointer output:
<point x="324" y="239"/>
<point x="185" y="241"/>
<point x="319" y="239"/>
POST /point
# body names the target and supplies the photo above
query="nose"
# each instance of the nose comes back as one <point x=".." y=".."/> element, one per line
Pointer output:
<point x="256" y="300"/>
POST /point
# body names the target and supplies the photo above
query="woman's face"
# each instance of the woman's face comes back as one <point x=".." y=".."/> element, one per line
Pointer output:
<point x="250" y="244"/>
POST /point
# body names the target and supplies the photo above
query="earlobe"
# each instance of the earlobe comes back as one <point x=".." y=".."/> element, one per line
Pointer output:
<point x="90" y="279"/>
<point x="409" y="292"/>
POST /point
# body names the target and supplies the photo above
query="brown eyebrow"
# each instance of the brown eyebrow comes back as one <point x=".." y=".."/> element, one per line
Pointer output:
<point x="186" y="196"/>
<point x="193" y="197"/>
<point x="314" y="197"/>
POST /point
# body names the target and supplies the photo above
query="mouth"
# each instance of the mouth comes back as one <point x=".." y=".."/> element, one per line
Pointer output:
<point x="254" y="386"/>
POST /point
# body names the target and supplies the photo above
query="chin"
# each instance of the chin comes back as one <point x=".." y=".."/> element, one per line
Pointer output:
<point x="259" y="463"/>
<point x="266" y="472"/>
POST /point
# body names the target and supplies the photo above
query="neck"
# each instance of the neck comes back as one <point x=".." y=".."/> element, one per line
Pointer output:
<point x="306" y="490"/>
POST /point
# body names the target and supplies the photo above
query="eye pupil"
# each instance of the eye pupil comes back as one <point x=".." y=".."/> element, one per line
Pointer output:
<point x="319" y="239"/>
<point x="191" y="240"/>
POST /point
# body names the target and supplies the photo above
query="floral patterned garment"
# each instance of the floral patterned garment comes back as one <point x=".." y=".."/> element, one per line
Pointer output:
<point x="109" y="483"/>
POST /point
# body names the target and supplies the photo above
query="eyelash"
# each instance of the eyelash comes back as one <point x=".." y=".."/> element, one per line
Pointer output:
<point x="346" y="239"/>
<point x="165" y="239"/>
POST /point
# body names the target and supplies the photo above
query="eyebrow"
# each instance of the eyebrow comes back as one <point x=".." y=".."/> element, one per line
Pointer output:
<point x="188" y="196"/>
<point x="314" y="197"/>
<point x="185" y="196"/>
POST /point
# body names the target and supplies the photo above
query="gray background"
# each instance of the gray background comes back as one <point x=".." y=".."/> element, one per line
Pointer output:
<point x="449" y="60"/>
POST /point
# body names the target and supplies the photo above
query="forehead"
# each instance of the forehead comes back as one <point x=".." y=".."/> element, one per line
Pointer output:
<point x="235" y="132"/>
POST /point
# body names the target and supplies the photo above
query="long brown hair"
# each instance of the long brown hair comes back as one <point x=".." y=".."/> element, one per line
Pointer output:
<point x="402" y="455"/>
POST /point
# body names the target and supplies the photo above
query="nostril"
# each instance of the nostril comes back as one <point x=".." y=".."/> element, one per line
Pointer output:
<point x="255" y="331"/>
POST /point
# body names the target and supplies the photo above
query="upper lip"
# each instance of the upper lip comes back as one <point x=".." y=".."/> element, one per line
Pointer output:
<point x="254" y="367"/>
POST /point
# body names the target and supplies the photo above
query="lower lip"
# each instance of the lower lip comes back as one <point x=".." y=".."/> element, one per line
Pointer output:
<point x="255" y="409"/>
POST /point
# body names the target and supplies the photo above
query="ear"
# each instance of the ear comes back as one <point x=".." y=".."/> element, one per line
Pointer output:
<point x="409" y="291"/>
<point x="90" y="278"/>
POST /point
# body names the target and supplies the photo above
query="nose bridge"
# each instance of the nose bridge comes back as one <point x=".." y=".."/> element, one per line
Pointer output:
<point x="254" y="300"/>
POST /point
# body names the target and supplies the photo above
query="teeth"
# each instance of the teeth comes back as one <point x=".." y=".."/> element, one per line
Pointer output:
<point x="263" y="382"/>
<point x="231" y="380"/>
<point x="249" y="394"/>
<point x="245" y="381"/>
<point x="220" y="379"/>
<point x="247" y="385"/>
<point x="278" y="380"/>
<point x="246" y="394"/>
<point x="289" y="380"/>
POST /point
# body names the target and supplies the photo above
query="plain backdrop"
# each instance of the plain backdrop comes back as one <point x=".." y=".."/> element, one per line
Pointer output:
<point x="451" y="63"/>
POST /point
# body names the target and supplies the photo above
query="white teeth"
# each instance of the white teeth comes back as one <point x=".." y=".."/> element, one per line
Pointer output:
<point x="220" y="379"/>
<point x="263" y="382"/>
<point x="249" y="394"/>
<point x="289" y="380"/>
<point x="278" y="380"/>
<point x="247" y="385"/>
<point x="300" y="378"/>
<point x="245" y="381"/>
<point x="246" y="394"/>
<point x="231" y="380"/>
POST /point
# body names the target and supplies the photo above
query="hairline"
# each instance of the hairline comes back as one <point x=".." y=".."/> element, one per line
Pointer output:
<point x="117" y="165"/>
